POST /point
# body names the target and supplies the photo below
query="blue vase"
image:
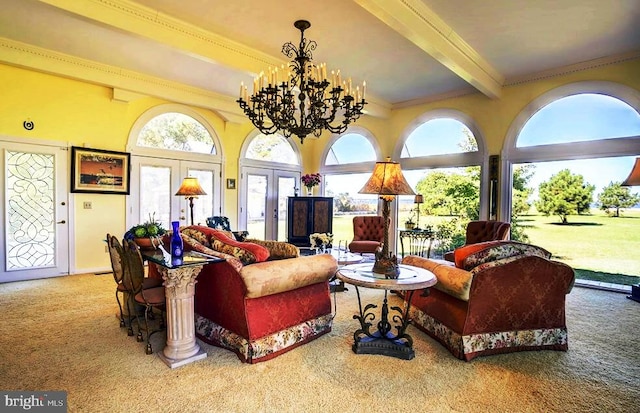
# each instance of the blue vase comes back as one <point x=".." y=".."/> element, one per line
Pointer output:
<point x="176" y="243"/>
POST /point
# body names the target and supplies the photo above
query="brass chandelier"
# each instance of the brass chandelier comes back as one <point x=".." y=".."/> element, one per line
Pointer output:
<point x="301" y="101"/>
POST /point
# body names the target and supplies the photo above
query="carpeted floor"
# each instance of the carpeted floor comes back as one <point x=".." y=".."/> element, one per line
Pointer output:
<point x="61" y="334"/>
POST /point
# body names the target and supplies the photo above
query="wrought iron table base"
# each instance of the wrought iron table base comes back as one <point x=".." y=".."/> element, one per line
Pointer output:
<point x="383" y="341"/>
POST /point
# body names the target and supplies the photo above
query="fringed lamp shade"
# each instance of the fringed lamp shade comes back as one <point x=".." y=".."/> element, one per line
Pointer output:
<point x="387" y="181"/>
<point x="190" y="189"/>
<point x="634" y="177"/>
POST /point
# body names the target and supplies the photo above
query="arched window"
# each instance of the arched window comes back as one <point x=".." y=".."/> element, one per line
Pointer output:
<point x="176" y="132"/>
<point x="579" y="118"/>
<point x="348" y="162"/>
<point x="168" y="143"/>
<point x="440" y="136"/>
<point x="443" y="157"/>
<point x="271" y="148"/>
<point x="591" y="129"/>
<point x="350" y="148"/>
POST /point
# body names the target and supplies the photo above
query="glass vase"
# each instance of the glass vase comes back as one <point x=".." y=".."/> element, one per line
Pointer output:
<point x="309" y="191"/>
<point x="176" y="244"/>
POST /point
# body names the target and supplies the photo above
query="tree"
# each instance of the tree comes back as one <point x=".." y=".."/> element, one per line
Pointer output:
<point x="614" y="196"/>
<point x="343" y="202"/>
<point x="565" y="194"/>
<point x="520" y="204"/>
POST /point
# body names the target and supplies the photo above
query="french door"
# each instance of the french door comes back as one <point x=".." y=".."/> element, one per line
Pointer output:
<point x="34" y="241"/>
<point x="263" y="201"/>
<point x="154" y="181"/>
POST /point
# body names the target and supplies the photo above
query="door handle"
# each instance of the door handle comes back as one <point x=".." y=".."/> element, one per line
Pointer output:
<point x="61" y="222"/>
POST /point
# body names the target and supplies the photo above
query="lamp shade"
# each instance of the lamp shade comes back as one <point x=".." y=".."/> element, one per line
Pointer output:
<point x="634" y="177"/>
<point x="190" y="187"/>
<point x="387" y="179"/>
<point x="418" y="199"/>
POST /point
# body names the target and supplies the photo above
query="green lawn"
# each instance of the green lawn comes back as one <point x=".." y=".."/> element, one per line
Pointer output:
<point x="598" y="247"/>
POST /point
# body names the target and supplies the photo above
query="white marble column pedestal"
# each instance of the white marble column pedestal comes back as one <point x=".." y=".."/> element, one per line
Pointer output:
<point x="179" y="284"/>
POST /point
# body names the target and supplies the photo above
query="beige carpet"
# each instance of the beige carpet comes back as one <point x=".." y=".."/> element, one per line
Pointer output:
<point x="61" y="334"/>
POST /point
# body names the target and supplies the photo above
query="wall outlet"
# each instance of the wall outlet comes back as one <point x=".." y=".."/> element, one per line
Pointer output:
<point x="87" y="204"/>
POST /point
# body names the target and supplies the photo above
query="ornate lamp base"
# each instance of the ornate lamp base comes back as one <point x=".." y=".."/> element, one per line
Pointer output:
<point x="386" y="265"/>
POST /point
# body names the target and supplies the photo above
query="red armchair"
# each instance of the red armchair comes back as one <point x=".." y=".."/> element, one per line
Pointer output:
<point x="482" y="231"/>
<point x="368" y="234"/>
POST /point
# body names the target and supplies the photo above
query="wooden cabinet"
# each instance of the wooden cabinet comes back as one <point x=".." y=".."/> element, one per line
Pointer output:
<point x="307" y="215"/>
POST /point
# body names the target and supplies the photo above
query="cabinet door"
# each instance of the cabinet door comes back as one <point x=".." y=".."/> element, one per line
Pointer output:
<point x="322" y="219"/>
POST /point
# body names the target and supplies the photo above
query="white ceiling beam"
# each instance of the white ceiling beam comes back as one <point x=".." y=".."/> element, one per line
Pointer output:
<point x="424" y="28"/>
<point x="151" y="24"/>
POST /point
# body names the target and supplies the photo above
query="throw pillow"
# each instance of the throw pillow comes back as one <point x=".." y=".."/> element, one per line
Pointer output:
<point x="504" y="249"/>
<point x="461" y="253"/>
<point x="246" y="252"/>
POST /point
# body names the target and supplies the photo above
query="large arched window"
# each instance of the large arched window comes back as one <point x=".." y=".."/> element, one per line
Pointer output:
<point x="442" y="155"/>
<point x="168" y="143"/>
<point x="591" y="130"/>
<point x="348" y="162"/>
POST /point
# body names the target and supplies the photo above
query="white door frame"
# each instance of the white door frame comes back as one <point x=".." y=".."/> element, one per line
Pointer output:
<point x="64" y="247"/>
<point x="272" y="175"/>
<point x="179" y="170"/>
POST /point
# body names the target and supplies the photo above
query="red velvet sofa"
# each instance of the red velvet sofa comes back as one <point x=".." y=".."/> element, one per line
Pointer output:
<point x="498" y="297"/>
<point x="259" y="303"/>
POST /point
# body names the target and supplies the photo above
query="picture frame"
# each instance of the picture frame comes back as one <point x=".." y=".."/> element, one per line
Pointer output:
<point x="231" y="183"/>
<point x="100" y="171"/>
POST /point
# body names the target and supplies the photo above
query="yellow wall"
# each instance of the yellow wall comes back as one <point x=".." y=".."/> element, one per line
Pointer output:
<point x="83" y="114"/>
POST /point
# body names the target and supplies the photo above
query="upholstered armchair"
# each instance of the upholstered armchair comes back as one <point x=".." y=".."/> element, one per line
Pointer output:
<point x="482" y="231"/>
<point x="498" y="297"/>
<point x="368" y="234"/>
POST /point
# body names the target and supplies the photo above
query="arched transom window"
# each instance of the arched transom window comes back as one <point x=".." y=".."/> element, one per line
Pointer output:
<point x="178" y="132"/>
<point x="271" y="148"/>
<point x="441" y="136"/>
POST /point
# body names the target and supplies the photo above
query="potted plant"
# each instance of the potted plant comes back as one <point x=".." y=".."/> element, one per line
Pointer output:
<point x="409" y="224"/>
<point x="147" y="235"/>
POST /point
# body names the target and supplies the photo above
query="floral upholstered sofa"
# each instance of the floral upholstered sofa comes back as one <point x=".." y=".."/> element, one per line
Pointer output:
<point x="498" y="297"/>
<point x="263" y="299"/>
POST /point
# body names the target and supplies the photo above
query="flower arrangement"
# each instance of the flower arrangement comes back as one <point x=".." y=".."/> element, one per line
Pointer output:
<point x="320" y="239"/>
<point x="148" y="229"/>
<point x="311" y="180"/>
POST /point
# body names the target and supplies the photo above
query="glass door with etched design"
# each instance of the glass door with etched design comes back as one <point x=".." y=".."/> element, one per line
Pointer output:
<point x="34" y="242"/>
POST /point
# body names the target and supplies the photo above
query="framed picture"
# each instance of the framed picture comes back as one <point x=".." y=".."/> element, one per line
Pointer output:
<point x="99" y="171"/>
<point x="231" y="184"/>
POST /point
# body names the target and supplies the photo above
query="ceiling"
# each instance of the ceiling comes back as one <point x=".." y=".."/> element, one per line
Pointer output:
<point x="408" y="51"/>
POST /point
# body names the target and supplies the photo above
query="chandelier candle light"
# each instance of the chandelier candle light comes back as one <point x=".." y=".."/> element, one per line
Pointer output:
<point x="387" y="181"/>
<point x="300" y="100"/>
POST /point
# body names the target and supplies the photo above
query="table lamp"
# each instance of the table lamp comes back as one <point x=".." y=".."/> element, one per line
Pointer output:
<point x="190" y="189"/>
<point x="418" y="200"/>
<point x="387" y="181"/>
<point x="634" y="180"/>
